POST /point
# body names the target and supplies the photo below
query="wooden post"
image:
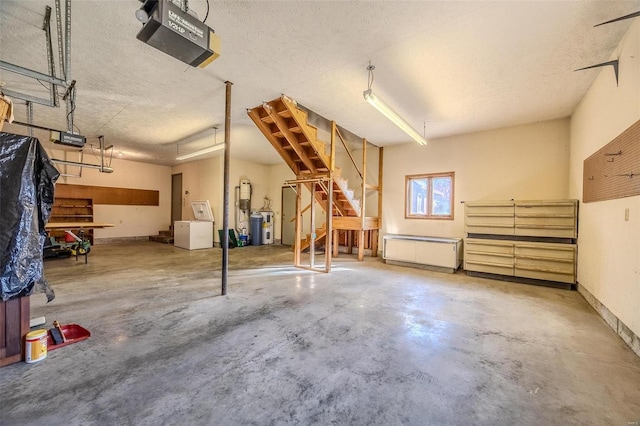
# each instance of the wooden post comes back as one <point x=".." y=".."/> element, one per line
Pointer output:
<point x="380" y="175"/>
<point x="363" y="204"/>
<point x="14" y="326"/>
<point x="329" y="225"/>
<point x="297" y="239"/>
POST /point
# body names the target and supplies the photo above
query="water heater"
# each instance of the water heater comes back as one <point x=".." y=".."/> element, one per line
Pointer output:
<point x="244" y="203"/>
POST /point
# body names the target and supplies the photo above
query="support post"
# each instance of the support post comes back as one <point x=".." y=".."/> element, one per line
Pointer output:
<point x="380" y="176"/>
<point x="329" y="225"/>
<point x="312" y="227"/>
<point x="225" y="211"/>
<point x="363" y="204"/>
<point x="297" y="241"/>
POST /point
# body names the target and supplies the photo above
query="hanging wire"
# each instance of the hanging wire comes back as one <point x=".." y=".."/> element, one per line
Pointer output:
<point x="370" y="68"/>
<point x="207" y="14"/>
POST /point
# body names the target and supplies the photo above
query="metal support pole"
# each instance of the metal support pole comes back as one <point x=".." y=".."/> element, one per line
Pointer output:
<point x="60" y="47"/>
<point x="225" y="212"/>
<point x="30" y="117"/>
<point x="67" y="41"/>
<point x="46" y="26"/>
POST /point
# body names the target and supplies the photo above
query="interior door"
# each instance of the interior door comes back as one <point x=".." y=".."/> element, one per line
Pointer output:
<point x="288" y="213"/>
<point x="176" y="198"/>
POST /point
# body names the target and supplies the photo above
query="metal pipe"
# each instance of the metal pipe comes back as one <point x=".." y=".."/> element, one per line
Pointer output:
<point x="30" y="117"/>
<point x="101" y="142"/>
<point x="20" y="123"/>
<point x="225" y="211"/>
<point x="31" y="73"/>
<point x="28" y="98"/>
<point x="103" y="169"/>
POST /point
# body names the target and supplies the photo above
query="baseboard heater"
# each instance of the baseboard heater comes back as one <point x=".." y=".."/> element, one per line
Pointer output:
<point x="440" y="254"/>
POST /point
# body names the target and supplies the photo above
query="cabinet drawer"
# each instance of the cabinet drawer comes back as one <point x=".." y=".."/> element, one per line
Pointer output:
<point x="490" y="256"/>
<point x="546" y="218"/>
<point x="488" y="267"/>
<point x="546" y="262"/>
<point x="489" y="218"/>
<point x="488" y="246"/>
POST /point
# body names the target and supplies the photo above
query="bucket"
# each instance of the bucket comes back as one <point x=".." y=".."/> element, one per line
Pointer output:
<point x="244" y="240"/>
<point x="35" y="348"/>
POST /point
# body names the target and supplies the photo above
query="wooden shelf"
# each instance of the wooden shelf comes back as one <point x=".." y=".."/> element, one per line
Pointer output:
<point x="72" y="210"/>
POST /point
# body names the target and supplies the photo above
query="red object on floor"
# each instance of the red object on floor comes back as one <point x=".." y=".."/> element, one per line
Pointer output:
<point x="72" y="332"/>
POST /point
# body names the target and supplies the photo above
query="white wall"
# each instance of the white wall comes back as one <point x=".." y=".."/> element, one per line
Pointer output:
<point x="520" y="162"/>
<point x="609" y="246"/>
<point x="128" y="221"/>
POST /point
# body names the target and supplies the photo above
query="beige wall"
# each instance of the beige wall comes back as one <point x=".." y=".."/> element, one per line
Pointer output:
<point x="128" y="221"/>
<point x="521" y="162"/>
<point x="609" y="246"/>
<point x="204" y="179"/>
<point x="278" y="174"/>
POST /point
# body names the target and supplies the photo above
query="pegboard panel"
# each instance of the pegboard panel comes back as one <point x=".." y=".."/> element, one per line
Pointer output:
<point x="614" y="171"/>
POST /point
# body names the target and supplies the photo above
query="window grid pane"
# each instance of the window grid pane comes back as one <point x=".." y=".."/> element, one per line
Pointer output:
<point x="441" y="196"/>
<point x="429" y="196"/>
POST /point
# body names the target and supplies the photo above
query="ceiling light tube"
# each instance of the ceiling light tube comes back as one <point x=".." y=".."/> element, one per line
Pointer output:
<point x="391" y="115"/>
<point x="201" y="152"/>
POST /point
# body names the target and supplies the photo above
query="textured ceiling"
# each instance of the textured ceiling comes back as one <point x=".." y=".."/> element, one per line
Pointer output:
<point x="456" y="66"/>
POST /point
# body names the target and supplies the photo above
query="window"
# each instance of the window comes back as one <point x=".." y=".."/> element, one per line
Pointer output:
<point x="429" y="196"/>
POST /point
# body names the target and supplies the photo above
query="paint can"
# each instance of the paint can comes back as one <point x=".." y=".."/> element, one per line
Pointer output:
<point x="35" y="347"/>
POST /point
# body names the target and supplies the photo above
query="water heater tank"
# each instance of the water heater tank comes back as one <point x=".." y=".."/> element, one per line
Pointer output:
<point x="244" y="203"/>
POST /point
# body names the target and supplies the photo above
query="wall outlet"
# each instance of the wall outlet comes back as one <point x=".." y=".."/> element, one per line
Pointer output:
<point x="626" y="214"/>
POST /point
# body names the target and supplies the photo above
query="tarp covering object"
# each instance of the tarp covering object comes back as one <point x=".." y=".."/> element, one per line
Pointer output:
<point x="27" y="179"/>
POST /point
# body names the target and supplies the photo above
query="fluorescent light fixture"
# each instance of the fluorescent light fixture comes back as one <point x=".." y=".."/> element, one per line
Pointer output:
<point x="391" y="115"/>
<point x="208" y="150"/>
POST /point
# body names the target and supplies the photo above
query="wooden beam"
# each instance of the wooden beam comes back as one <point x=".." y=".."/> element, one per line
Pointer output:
<point x="275" y="142"/>
<point x="361" y="245"/>
<point x="329" y="229"/>
<point x="291" y="138"/>
<point x="355" y="223"/>
<point x="297" y="240"/>
<point x="109" y="195"/>
<point x="333" y="147"/>
<point x="346" y="147"/>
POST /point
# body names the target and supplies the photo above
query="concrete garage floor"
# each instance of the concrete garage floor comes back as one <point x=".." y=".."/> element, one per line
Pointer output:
<point x="368" y="344"/>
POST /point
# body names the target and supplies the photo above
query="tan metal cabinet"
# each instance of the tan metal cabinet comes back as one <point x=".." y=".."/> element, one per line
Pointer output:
<point x="489" y="217"/>
<point x="489" y="256"/>
<point x="551" y="262"/>
<point x="546" y="218"/>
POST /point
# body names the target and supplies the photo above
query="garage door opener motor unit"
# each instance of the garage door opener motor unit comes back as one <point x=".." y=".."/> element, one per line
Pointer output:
<point x="177" y="33"/>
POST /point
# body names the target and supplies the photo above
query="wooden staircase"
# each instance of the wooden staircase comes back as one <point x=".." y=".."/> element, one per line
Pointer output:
<point x="286" y="127"/>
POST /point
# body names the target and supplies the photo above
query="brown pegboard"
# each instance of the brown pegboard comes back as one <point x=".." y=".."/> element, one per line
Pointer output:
<point x="614" y="170"/>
